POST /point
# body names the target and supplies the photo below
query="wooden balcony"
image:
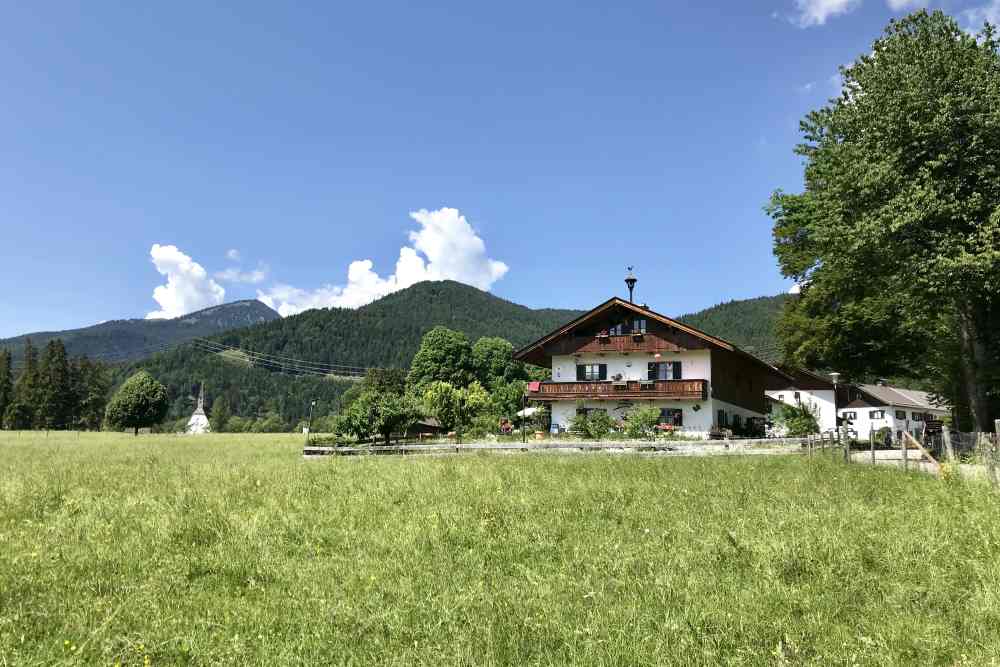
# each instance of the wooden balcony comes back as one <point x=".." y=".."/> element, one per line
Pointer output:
<point x="638" y="343"/>
<point x="691" y="390"/>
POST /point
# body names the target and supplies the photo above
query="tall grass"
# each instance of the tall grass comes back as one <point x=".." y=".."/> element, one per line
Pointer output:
<point x="233" y="550"/>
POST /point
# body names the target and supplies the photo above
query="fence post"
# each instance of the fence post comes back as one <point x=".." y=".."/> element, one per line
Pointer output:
<point x="906" y="446"/>
<point x="991" y="456"/>
<point x="946" y="438"/>
<point x="871" y="444"/>
<point x="847" y="448"/>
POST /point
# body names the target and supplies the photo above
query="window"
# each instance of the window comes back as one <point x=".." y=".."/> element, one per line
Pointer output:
<point x="900" y="414"/>
<point x="673" y="416"/>
<point x="917" y="417"/>
<point x="876" y="414"/>
<point x="617" y="329"/>
<point x="798" y="397"/>
<point x="664" y="370"/>
<point x="723" y="420"/>
<point x="850" y="416"/>
<point x="638" y="326"/>
<point x="591" y="372"/>
<point x="781" y="398"/>
<point x="737" y="421"/>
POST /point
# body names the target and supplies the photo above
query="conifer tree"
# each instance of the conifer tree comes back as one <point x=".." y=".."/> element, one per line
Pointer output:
<point x="6" y="383"/>
<point x="22" y="411"/>
<point x="91" y="384"/>
<point x="55" y="388"/>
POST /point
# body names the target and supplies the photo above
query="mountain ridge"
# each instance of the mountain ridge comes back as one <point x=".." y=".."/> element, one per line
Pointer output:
<point x="135" y="338"/>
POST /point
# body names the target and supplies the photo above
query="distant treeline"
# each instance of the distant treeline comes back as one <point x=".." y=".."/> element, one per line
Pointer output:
<point x="52" y="392"/>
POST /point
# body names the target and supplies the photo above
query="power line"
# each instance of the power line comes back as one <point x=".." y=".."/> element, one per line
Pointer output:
<point x="272" y="362"/>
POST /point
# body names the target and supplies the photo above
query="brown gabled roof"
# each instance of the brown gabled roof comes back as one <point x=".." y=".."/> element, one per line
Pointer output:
<point x="650" y="314"/>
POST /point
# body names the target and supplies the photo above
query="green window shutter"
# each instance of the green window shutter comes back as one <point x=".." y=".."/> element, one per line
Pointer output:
<point x="651" y="371"/>
<point x="677" y="370"/>
<point x="580" y="373"/>
<point x="603" y="372"/>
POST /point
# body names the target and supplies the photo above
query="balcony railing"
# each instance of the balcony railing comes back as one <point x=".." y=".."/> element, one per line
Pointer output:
<point x="696" y="390"/>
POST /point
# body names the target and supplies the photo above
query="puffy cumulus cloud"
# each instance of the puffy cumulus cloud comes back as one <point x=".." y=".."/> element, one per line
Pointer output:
<point x="233" y="255"/>
<point x="188" y="287"/>
<point x="445" y="247"/>
<point x="236" y="275"/>
<point x="817" y="12"/>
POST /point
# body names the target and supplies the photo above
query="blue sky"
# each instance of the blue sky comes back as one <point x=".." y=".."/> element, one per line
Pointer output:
<point x="217" y="153"/>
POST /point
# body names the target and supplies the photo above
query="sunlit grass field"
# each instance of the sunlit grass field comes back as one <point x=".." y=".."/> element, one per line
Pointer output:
<point x="234" y="550"/>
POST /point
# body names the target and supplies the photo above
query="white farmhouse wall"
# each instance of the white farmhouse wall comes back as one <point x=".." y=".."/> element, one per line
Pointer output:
<point x="695" y="365"/>
<point x="697" y="423"/>
<point x="863" y="424"/>
<point x="822" y="399"/>
<point x="699" y="416"/>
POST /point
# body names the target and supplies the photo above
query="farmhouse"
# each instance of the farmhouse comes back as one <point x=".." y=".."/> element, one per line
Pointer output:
<point x="809" y="389"/>
<point x="869" y="408"/>
<point x="621" y="355"/>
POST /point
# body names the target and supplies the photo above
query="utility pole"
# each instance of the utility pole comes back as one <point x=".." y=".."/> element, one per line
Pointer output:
<point x="309" y="428"/>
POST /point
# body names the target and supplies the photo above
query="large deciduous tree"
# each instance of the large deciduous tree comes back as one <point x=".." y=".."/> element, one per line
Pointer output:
<point x="139" y="403"/>
<point x="444" y="356"/>
<point x="494" y="363"/>
<point x="896" y="237"/>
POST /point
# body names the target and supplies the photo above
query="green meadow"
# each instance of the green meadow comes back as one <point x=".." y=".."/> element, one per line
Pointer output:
<point x="222" y="549"/>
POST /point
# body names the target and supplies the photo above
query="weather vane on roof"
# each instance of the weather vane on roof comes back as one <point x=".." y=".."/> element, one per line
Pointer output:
<point x="630" y="280"/>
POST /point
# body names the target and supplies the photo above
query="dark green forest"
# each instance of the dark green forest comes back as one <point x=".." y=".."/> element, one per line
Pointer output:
<point x="749" y="324"/>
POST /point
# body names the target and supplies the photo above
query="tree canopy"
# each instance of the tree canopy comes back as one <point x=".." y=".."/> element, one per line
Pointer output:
<point x="139" y="403"/>
<point x="896" y="237"/>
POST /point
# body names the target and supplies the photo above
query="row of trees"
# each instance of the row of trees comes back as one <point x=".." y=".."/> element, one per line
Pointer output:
<point x="895" y="239"/>
<point x="467" y="388"/>
<point x="51" y="391"/>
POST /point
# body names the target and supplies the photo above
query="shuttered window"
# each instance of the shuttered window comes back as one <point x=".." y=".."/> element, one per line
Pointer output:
<point x="591" y="372"/>
<point x="664" y="370"/>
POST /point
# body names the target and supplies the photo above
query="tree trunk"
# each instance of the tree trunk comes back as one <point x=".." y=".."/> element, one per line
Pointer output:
<point x="973" y="364"/>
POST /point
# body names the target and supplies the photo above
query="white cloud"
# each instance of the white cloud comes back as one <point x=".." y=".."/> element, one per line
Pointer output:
<point x="816" y="12"/>
<point x="188" y="285"/>
<point x="235" y="275"/>
<point x="446" y="247"/>
<point x="795" y="289"/>
<point x="233" y="255"/>
<point x="976" y="16"/>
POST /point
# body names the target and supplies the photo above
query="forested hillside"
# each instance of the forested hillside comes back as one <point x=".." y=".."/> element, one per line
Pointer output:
<point x="124" y="340"/>
<point x="387" y="332"/>
<point x="749" y="324"/>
